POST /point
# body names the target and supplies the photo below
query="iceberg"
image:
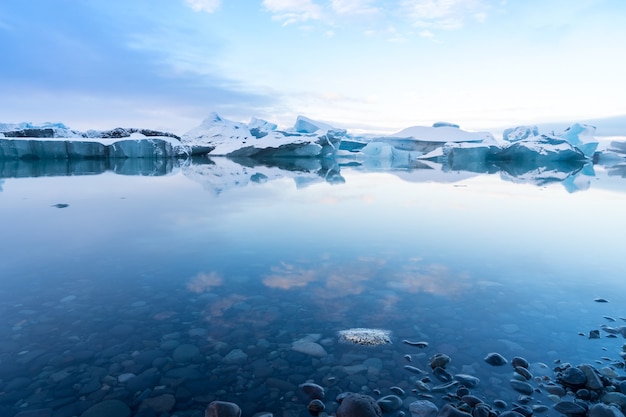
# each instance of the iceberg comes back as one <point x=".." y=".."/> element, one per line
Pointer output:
<point x="515" y="134"/>
<point x="217" y="136"/>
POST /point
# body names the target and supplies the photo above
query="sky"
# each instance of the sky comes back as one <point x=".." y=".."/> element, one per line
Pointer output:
<point x="363" y="65"/>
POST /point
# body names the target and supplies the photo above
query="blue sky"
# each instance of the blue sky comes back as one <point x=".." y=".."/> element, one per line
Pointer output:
<point x="374" y="65"/>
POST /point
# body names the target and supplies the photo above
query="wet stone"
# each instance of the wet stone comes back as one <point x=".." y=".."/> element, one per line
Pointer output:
<point x="523" y="387"/>
<point x="471" y="400"/>
<point x="573" y="377"/>
<point x="222" y="409"/>
<point x="511" y="413"/>
<point x="569" y="408"/>
<point x="519" y="361"/>
<point x="358" y="405"/>
<point x="469" y="381"/>
<point x="525" y="373"/>
<point x="315" y="407"/>
<point x="423" y="408"/>
<point x="481" y="410"/>
<point x="389" y="403"/>
<point x="442" y="375"/>
<point x="500" y="404"/>
<point x="495" y="359"/>
<point x="523" y="409"/>
<point x="313" y="391"/>
<point x="450" y="411"/>
<point x="235" y="356"/>
<point x="603" y="410"/>
<point x="593" y="379"/>
<point x="615" y="398"/>
<point x="439" y="360"/>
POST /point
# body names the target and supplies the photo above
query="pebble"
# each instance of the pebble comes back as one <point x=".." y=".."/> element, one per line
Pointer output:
<point x="439" y="360"/>
<point x="309" y="348"/>
<point x="235" y="356"/>
<point x="423" y="408"/>
<point x="495" y="359"/>
<point x="222" y="409"/>
<point x="570" y="408"/>
<point x="469" y="381"/>
<point x="313" y="391"/>
<point x="523" y="387"/>
<point x="357" y="405"/>
<point x="519" y="361"/>
<point x="160" y="404"/>
<point x="573" y="377"/>
<point x="315" y="407"/>
<point x="389" y="403"/>
<point x="524" y="373"/>
<point x="603" y="410"/>
<point x="450" y="411"/>
<point x="420" y="345"/>
<point x="442" y="375"/>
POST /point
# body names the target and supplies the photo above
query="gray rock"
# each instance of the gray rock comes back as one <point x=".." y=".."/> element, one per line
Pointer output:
<point x="309" y="348"/>
<point x="602" y="410"/>
<point x="423" y="408"/>
<point x="107" y="408"/>
<point x="525" y="373"/>
<point x="222" y="409"/>
<point x="519" y="361"/>
<point x="358" y="405"/>
<point x="495" y="359"/>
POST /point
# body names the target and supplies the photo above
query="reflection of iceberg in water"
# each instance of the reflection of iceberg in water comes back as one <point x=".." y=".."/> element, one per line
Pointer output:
<point x="15" y="168"/>
<point x="220" y="174"/>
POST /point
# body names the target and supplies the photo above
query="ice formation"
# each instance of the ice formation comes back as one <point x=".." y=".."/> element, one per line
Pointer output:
<point x="366" y="337"/>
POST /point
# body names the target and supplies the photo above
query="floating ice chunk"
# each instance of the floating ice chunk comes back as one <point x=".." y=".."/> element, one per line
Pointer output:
<point x="581" y="136"/>
<point x="443" y="133"/>
<point x="305" y="125"/>
<point x="366" y="337"/>
<point x="515" y="134"/>
<point x="222" y="137"/>
<point x="541" y="149"/>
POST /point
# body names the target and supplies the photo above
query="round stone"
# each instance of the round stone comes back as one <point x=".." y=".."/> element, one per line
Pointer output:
<point x="569" y="408"/>
<point x="523" y="387"/>
<point x="316" y="406"/>
<point x="469" y="381"/>
<point x="313" y="391"/>
<point x="358" y="405"/>
<point x="222" y="409"/>
<point x="603" y="410"/>
<point x="573" y="377"/>
<point x="423" y="408"/>
<point x="495" y="359"/>
<point x="389" y="403"/>
<point x="439" y="360"/>
<point x="518" y="361"/>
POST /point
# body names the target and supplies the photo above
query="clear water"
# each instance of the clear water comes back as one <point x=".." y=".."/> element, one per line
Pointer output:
<point x="207" y="256"/>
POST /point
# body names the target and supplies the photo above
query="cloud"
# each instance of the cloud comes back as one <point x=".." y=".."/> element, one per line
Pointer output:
<point x="208" y="6"/>
<point x="293" y="11"/>
<point x="353" y="6"/>
<point x="444" y="14"/>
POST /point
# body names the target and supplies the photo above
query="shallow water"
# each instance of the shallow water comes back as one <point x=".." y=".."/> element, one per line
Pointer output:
<point x="228" y="256"/>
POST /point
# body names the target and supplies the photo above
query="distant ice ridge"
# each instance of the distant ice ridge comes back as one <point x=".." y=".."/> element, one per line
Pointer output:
<point x="218" y="136"/>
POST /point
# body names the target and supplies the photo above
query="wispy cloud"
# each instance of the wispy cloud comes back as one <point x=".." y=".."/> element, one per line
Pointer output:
<point x="293" y="11"/>
<point x="444" y="14"/>
<point x="354" y="6"/>
<point x="208" y="6"/>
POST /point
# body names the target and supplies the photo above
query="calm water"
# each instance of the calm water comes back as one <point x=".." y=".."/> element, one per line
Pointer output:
<point x="249" y="259"/>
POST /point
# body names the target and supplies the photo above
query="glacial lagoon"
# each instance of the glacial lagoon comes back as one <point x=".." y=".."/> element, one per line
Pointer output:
<point x="189" y="283"/>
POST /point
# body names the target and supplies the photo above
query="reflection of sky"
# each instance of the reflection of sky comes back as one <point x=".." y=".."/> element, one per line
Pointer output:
<point x="479" y="222"/>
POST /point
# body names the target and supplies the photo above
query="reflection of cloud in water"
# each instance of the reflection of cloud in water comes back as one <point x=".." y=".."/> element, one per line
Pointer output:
<point x="335" y="280"/>
<point x="289" y="276"/>
<point x="434" y="279"/>
<point x="203" y="282"/>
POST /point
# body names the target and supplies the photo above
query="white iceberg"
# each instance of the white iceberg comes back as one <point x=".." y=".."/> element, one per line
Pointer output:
<point x="221" y="137"/>
<point x="365" y="336"/>
<point x="441" y="132"/>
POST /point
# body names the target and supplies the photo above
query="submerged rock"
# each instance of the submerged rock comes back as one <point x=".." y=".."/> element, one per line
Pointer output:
<point x="365" y="337"/>
<point x="358" y="405"/>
